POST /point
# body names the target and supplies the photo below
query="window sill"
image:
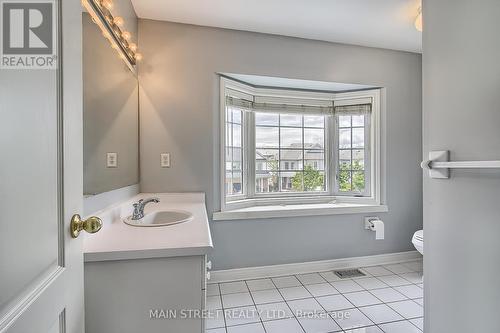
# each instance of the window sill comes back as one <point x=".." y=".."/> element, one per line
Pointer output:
<point x="264" y="212"/>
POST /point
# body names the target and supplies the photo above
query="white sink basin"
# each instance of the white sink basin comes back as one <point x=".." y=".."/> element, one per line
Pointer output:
<point x="160" y="218"/>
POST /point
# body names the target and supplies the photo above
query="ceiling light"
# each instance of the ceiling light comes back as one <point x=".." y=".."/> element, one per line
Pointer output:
<point x="418" y="20"/>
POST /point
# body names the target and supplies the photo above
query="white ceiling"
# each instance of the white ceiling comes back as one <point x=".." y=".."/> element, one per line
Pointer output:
<point x="269" y="81"/>
<point x="377" y="23"/>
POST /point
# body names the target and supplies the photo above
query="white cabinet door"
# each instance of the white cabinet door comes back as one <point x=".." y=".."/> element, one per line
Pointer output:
<point x="41" y="265"/>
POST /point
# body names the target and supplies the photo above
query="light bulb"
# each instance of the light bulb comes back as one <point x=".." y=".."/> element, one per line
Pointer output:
<point x="108" y="4"/>
<point x="138" y="56"/>
<point x="126" y="35"/>
<point x="106" y="35"/>
<point x="118" y="21"/>
<point x="133" y="47"/>
<point x="418" y="20"/>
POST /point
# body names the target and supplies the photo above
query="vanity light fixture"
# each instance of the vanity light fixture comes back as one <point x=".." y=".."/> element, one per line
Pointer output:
<point x="100" y="11"/>
<point x="418" y="20"/>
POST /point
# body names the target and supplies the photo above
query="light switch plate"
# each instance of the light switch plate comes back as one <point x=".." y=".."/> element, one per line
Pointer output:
<point x="165" y="160"/>
<point x="111" y="160"/>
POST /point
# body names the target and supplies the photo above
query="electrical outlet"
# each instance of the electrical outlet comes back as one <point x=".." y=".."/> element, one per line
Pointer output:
<point x="165" y="160"/>
<point x="111" y="160"/>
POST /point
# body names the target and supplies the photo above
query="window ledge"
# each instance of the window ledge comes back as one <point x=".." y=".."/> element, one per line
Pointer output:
<point x="264" y="212"/>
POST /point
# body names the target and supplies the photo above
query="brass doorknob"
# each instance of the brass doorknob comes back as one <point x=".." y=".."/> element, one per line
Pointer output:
<point x="91" y="225"/>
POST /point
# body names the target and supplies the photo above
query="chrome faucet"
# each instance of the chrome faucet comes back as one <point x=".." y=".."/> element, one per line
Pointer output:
<point x="139" y="207"/>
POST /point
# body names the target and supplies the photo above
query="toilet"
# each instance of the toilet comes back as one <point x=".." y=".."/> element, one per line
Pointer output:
<point x="418" y="241"/>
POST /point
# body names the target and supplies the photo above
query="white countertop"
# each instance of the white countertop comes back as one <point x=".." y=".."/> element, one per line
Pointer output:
<point x="119" y="241"/>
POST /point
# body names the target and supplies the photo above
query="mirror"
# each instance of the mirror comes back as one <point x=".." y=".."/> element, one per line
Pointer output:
<point x="110" y="108"/>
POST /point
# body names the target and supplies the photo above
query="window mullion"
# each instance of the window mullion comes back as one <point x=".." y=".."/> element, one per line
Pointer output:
<point x="250" y="154"/>
<point x="303" y="157"/>
<point x="368" y="160"/>
<point x="280" y="189"/>
<point x="333" y="154"/>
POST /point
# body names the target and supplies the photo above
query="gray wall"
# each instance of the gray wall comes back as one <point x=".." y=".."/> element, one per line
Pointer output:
<point x="110" y="112"/>
<point x="461" y="215"/>
<point x="179" y="114"/>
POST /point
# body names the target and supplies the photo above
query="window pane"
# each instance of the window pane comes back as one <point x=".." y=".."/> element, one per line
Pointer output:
<point x="266" y="159"/>
<point x="358" y="121"/>
<point x="266" y="182"/>
<point x="314" y="121"/>
<point x="291" y="154"/>
<point x="345" y="138"/>
<point x="234" y="151"/>
<point x="358" y="159"/>
<point x="236" y="135"/>
<point x="267" y="137"/>
<point x="229" y="159"/>
<point x="229" y="183"/>
<point x="291" y="120"/>
<point x="314" y="180"/>
<point x="344" y="121"/>
<point x="345" y="181"/>
<point x="345" y="159"/>
<point x="358" y="137"/>
<point x="237" y="185"/>
<point x="267" y="119"/>
<point x="229" y="134"/>
<point x="237" y="159"/>
<point x="291" y="165"/>
<point x="298" y="167"/>
<point x="266" y="170"/>
<point x="291" y="181"/>
<point x="237" y="114"/>
<point x="315" y="159"/>
<point x="291" y="137"/>
<point x="358" y="181"/>
<point x="314" y="138"/>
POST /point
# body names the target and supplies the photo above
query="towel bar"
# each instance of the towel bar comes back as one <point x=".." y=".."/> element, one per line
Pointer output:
<point x="439" y="164"/>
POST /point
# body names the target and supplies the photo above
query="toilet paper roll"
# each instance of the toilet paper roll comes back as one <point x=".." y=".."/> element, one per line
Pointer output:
<point x="378" y="227"/>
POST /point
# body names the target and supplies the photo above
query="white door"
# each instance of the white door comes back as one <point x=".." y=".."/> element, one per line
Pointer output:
<point x="461" y="80"/>
<point x="41" y="265"/>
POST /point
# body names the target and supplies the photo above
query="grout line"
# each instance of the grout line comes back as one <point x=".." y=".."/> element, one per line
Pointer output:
<point x="410" y="320"/>
<point x="255" y="305"/>
<point x="223" y="310"/>
<point x="327" y="313"/>
<point x="286" y="303"/>
<point x="398" y="321"/>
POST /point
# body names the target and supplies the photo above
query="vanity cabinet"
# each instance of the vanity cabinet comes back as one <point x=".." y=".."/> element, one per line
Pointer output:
<point x="147" y="295"/>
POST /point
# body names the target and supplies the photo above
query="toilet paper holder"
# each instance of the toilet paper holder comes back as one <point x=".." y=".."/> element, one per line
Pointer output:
<point x="374" y="223"/>
<point x="369" y="222"/>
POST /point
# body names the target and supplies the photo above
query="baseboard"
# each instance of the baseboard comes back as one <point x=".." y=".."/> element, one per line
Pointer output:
<point x="312" y="266"/>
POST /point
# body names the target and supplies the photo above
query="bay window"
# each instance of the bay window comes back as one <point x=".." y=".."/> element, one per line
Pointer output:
<point x="284" y="146"/>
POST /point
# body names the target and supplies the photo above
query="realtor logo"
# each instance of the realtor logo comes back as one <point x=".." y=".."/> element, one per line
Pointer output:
<point x="28" y="35"/>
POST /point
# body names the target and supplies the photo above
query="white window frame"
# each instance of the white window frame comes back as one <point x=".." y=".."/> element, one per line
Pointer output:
<point x="331" y="195"/>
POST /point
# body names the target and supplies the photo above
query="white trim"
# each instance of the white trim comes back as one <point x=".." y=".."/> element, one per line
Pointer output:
<point x="264" y="212"/>
<point x="311" y="267"/>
